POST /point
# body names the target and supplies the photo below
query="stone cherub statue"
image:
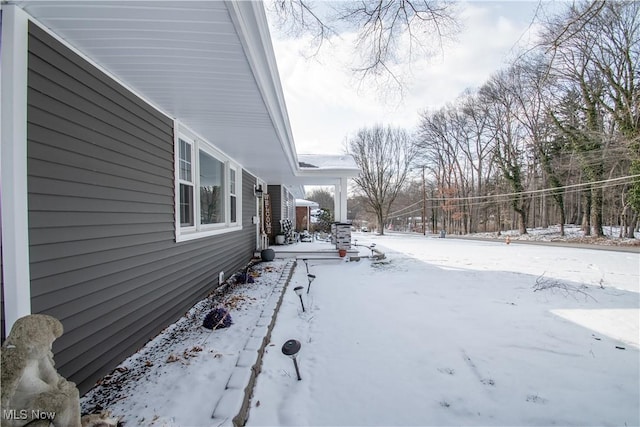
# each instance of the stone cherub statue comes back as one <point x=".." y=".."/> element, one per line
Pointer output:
<point x="33" y="393"/>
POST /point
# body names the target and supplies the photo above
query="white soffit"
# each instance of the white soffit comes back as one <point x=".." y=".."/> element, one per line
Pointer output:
<point x="325" y="169"/>
<point x="187" y="59"/>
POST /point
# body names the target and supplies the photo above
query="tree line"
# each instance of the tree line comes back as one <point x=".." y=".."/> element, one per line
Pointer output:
<point x="554" y="138"/>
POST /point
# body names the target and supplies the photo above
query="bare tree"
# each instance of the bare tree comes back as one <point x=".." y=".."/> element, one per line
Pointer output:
<point x="444" y="143"/>
<point x="595" y="52"/>
<point x="530" y="89"/>
<point x="385" y="156"/>
<point x="436" y="136"/>
<point x="511" y="142"/>
<point x="298" y="18"/>
<point x="480" y="146"/>
<point x="560" y="124"/>
<point x="456" y="147"/>
<point x="388" y="32"/>
<point x="323" y="197"/>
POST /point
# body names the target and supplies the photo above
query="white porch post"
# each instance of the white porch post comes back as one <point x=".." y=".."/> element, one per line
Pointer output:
<point x="13" y="164"/>
<point x="341" y="200"/>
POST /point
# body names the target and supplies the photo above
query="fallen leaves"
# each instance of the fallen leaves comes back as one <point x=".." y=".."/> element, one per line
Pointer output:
<point x="185" y="356"/>
<point x="233" y="302"/>
<point x="172" y="358"/>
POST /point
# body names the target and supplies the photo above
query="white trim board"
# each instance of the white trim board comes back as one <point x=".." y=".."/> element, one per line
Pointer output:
<point x="13" y="165"/>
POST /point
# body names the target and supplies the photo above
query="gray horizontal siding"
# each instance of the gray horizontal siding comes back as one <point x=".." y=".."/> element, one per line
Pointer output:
<point x="275" y="194"/>
<point x="101" y="216"/>
<point x="282" y="206"/>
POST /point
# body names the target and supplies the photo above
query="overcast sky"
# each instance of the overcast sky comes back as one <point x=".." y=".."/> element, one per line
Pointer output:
<point x="326" y="103"/>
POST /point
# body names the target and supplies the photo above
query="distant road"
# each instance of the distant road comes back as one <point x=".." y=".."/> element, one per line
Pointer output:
<point x="632" y="249"/>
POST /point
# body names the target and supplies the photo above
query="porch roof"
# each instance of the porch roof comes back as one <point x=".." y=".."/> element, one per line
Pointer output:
<point x="208" y="64"/>
<point x="306" y="203"/>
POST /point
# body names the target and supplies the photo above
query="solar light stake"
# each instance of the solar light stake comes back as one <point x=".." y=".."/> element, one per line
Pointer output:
<point x="295" y="365"/>
<point x="310" y="277"/>
<point x="291" y="349"/>
<point x="298" y="291"/>
<point x="306" y="265"/>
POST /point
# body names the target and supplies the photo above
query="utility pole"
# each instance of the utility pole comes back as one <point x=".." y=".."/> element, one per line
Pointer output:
<point x="424" y="204"/>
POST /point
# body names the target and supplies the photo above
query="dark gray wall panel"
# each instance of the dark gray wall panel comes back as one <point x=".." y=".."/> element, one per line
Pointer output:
<point x="282" y="207"/>
<point x="101" y="216"/>
<point x="275" y="194"/>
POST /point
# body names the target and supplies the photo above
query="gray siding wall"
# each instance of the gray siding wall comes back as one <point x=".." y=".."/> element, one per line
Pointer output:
<point x="101" y="216"/>
<point x="283" y="205"/>
<point x="275" y="193"/>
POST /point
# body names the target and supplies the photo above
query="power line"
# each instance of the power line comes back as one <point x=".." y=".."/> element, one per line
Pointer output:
<point x="407" y="207"/>
<point x="544" y="190"/>
<point x="506" y="197"/>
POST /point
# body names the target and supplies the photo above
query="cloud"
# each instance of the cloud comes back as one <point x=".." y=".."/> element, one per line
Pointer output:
<point x="326" y="103"/>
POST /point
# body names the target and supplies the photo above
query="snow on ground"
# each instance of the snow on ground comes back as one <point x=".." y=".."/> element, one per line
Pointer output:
<point x="178" y="377"/>
<point x="441" y="332"/>
<point x="451" y="332"/>
<point x="573" y="233"/>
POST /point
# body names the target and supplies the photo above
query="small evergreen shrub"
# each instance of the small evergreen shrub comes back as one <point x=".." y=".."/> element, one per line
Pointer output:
<point x="217" y="318"/>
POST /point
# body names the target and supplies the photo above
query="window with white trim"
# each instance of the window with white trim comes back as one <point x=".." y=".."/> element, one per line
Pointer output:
<point x="233" y="205"/>
<point x="185" y="161"/>
<point x="211" y="182"/>
<point x="208" y="190"/>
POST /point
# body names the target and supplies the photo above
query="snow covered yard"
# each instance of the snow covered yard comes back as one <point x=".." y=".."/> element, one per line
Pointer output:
<point x="452" y="332"/>
<point x="441" y="332"/>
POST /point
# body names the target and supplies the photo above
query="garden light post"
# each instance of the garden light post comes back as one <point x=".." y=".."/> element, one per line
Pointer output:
<point x="291" y="349"/>
<point x="310" y="277"/>
<point x="306" y="265"/>
<point x="298" y="291"/>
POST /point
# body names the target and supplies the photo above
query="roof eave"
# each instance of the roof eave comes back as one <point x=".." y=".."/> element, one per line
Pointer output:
<point x="251" y="25"/>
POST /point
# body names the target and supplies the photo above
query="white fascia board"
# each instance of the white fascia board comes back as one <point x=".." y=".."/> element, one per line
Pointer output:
<point x="328" y="173"/>
<point x="13" y="164"/>
<point x="251" y="25"/>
